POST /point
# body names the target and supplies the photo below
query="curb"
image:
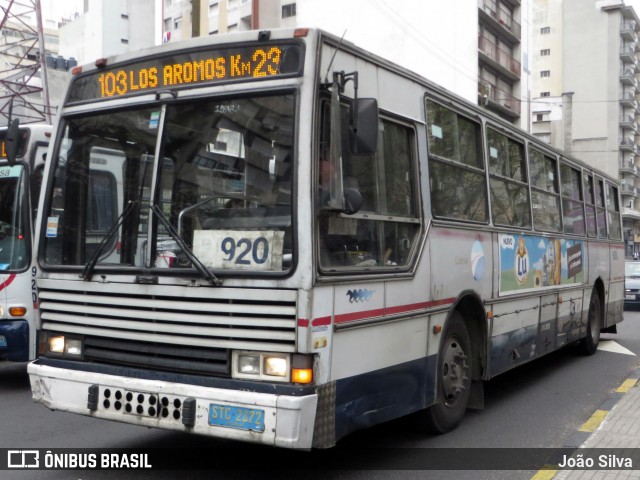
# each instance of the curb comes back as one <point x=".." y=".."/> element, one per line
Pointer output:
<point x="593" y="423"/>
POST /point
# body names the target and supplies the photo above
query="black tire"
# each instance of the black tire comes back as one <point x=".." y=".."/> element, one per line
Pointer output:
<point x="589" y="344"/>
<point x="453" y="378"/>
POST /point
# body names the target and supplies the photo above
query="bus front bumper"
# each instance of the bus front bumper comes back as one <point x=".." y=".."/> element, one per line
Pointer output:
<point x="279" y="420"/>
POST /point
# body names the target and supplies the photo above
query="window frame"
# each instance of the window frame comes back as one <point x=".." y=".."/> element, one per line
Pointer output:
<point x="568" y="196"/>
<point x="453" y="163"/>
<point x="601" y="207"/>
<point x="371" y="216"/>
<point x="589" y="187"/>
<point x="614" y="211"/>
<point x="507" y="179"/>
<point x="534" y="188"/>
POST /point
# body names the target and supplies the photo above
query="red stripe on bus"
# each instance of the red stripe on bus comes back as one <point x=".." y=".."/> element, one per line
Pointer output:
<point x="8" y="281"/>
<point x="352" y="317"/>
<point x="321" y="321"/>
<point x="378" y="312"/>
<point x="355" y="316"/>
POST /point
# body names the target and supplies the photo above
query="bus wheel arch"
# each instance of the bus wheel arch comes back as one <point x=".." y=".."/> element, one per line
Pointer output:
<point x="460" y="366"/>
<point x="595" y="320"/>
<point x="470" y="306"/>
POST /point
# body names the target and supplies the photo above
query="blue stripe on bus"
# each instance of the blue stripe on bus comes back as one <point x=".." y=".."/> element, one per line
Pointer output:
<point x="374" y="397"/>
<point x="16" y="338"/>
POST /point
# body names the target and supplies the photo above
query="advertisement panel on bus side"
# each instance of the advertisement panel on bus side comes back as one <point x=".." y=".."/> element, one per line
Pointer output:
<point x="530" y="262"/>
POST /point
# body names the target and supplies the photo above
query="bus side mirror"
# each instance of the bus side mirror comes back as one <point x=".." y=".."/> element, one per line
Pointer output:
<point x="13" y="133"/>
<point x="363" y="130"/>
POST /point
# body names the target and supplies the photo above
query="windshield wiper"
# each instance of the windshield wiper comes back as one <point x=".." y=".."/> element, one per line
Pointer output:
<point x="87" y="273"/>
<point x="206" y="273"/>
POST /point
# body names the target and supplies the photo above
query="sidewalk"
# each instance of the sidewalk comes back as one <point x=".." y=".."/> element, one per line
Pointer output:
<point x="616" y="425"/>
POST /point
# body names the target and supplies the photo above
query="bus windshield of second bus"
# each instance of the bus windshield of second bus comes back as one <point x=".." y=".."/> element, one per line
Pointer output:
<point x="22" y="158"/>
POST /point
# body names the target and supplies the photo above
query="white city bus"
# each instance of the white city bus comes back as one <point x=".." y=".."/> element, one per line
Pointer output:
<point x="22" y="158"/>
<point x="299" y="239"/>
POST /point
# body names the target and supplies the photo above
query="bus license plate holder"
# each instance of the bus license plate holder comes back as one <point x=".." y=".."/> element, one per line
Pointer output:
<point x="231" y="416"/>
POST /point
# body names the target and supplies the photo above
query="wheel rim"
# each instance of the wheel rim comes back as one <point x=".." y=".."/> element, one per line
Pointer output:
<point x="455" y="371"/>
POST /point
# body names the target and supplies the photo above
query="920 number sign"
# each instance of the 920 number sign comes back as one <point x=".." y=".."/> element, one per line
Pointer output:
<point x="239" y="250"/>
<point x="256" y="62"/>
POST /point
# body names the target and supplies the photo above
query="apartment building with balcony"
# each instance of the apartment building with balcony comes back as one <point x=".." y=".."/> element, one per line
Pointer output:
<point x="585" y="91"/>
<point x="500" y="69"/>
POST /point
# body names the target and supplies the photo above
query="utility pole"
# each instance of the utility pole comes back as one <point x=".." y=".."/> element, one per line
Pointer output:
<point x="23" y="70"/>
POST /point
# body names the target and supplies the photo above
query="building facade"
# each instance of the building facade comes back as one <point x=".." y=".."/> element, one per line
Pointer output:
<point x="502" y="59"/>
<point x="585" y="91"/>
<point x="109" y="27"/>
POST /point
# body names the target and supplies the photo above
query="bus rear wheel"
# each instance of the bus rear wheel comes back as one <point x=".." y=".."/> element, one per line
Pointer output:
<point x="453" y="380"/>
<point x="589" y="344"/>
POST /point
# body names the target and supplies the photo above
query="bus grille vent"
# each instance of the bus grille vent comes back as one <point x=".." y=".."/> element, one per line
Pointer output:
<point x="193" y="333"/>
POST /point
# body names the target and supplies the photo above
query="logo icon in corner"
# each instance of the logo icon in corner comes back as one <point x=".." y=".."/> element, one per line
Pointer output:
<point x="360" y="295"/>
<point x="23" y="459"/>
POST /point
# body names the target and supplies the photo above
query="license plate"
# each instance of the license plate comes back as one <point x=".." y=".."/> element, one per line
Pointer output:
<point x="3" y="341"/>
<point x="236" y="417"/>
<point x="630" y="297"/>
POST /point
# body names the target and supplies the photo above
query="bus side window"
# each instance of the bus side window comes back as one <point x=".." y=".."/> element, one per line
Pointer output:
<point x="613" y="213"/>
<point x="572" y="204"/>
<point x="456" y="168"/>
<point x="590" y="208"/>
<point x="387" y="184"/>
<point x="545" y="195"/>
<point x="508" y="181"/>
<point x="601" y="216"/>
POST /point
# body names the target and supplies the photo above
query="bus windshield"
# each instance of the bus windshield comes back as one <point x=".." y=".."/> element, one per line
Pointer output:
<point x="13" y="241"/>
<point x="223" y="187"/>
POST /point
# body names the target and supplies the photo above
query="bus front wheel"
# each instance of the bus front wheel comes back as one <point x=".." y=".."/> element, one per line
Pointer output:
<point x="453" y="378"/>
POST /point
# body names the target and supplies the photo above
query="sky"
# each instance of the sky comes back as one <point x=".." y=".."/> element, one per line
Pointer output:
<point x="635" y="4"/>
<point x="58" y="9"/>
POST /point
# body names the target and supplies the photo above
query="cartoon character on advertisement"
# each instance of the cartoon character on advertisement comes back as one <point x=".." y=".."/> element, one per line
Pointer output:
<point x="552" y="265"/>
<point x="522" y="262"/>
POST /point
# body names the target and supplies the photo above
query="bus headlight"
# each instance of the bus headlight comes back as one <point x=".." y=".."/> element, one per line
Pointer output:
<point x="55" y="345"/>
<point x="275" y="367"/>
<point x="260" y="366"/>
<point x="73" y="346"/>
<point x="249" y="364"/>
<point x="61" y="345"/>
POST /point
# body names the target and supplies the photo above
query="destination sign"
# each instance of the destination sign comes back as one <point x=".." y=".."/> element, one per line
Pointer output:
<point x="213" y="65"/>
<point x="23" y="140"/>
